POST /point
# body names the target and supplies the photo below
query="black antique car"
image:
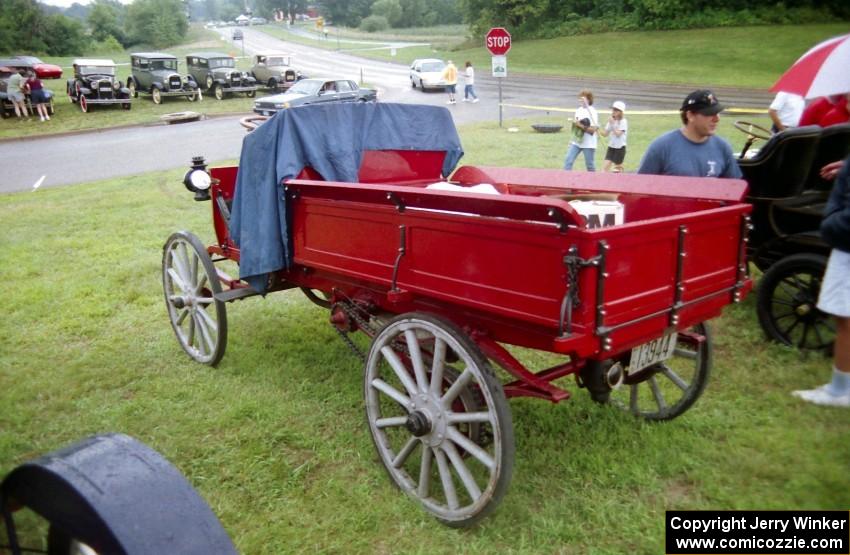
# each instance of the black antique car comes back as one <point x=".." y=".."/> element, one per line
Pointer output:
<point x="217" y="73"/>
<point x="155" y="73"/>
<point x="94" y="83"/>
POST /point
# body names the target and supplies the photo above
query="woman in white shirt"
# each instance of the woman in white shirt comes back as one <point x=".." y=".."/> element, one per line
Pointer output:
<point x="585" y="124"/>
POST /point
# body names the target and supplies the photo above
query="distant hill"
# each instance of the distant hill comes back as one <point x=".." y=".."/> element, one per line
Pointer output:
<point x="76" y="11"/>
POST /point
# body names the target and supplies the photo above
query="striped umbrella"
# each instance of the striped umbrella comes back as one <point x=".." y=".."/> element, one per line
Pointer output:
<point x="822" y="71"/>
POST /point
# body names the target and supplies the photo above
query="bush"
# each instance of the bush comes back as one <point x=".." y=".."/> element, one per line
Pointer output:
<point x="109" y="45"/>
<point x="374" y="23"/>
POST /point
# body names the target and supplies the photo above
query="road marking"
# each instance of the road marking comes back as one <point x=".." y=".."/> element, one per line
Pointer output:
<point x="38" y="183"/>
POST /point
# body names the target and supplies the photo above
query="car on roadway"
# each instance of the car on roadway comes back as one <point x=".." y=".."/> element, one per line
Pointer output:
<point x="427" y="73"/>
<point x="95" y="83"/>
<point x="42" y="70"/>
<point x="217" y="73"/>
<point x="237" y="34"/>
<point x="155" y="73"/>
<point x="275" y="70"/>
<point x="318" y="90"/>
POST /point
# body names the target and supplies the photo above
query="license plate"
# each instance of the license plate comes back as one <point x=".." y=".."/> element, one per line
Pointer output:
<point x="657" y="350"/>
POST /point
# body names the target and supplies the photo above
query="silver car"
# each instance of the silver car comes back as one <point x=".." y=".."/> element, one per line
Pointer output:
<point x="314" y="91"/>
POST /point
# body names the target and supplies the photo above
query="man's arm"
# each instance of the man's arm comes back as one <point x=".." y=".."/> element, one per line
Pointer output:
<point x="774" y="116"/>
<point x="732" y="170"/>
<point x="652" y="161"/>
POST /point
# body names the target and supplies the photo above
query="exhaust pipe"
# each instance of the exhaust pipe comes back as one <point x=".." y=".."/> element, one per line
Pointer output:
<point x="615" y="375"/>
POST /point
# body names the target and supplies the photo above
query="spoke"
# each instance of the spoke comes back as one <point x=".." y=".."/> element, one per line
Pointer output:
<point x="787" y="332"/>
<point x="210" y="324"/>
<point x="194" y="269"/>
<point x="446" y="479"/>
<point x="176" y="279"/>
<point x="437" y="366"/>
<point x="181" y="316"/>
<point x="470" y="417"/>
<point x="783" y="303"/>
<point x="633" y="399"/>
<point x="416" y="358"/>
<point x="400" y="370"/>
<point x="462" y="471"/>
<point x="391" y="422"/>
<point x="392" y="392"/>
<point x="202" y="281"/>
<point x="802" y="342"/>
<point x="778" y="317"/>
<point x="425" y="471"/>
<point x="405" y="451"/>
<point x="685" y="353"/>
<point x="457" y="387"/>
<point x="673" y="377"/>
<point x="190" y="337"/>
<point x="181" y="261"/>
<point x="817" y="334"/>
<point x="206" y="301"/>
<point x="472" y="448"/>
<point x="204" y="332"/>
<point x="656" y="392"/>
<point x="789" y="288"/>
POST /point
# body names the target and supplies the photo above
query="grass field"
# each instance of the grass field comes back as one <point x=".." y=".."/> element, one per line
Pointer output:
<point x="275" y="439"/>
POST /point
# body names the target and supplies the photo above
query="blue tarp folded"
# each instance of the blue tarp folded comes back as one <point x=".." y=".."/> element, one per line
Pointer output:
<point x="330" y="139"/>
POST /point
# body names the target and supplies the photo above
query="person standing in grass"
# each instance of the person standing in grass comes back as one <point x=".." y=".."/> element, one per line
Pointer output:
<point x="615" y="130"/>
<point x="469" y="83"/>
<point x="15" y="89"/>
<point x="694" y="149"/>
<point x="37" y="96"/>
<point x="835" y="289"/>
<point x="584" y="125"/>
<point x="450" y="78"/>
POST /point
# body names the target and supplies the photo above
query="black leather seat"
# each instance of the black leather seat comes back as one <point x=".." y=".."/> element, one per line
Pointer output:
<point x="834" y="145"/>
<point x="781" y="167"/>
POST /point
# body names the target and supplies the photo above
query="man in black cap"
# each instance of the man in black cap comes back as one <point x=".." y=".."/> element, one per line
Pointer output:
<point x="693" y="150"/>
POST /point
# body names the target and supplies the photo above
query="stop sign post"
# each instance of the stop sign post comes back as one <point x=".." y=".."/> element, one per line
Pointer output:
<point x="498" y="42"/>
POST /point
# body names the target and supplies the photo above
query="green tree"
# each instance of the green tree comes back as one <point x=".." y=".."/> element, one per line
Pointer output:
<point x="64" y="36"/>
<point x="159" y="23"/>
<point x="105" y="21"/>
<point x="389" y="9"/>
<point x="345" y="12"/>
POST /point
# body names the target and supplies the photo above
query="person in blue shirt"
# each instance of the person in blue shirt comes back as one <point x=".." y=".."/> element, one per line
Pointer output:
<point x="693" y="150"/>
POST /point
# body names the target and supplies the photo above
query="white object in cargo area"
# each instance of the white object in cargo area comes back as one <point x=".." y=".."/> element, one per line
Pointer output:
<point x="482" y="188"/>
<point x="599" y="213"/>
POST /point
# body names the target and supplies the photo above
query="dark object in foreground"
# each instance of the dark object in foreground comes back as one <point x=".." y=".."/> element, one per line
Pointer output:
<point x="115" y="495"/>
<point x="547" y="127"/>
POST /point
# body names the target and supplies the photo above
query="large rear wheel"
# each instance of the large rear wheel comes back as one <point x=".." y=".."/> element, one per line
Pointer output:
<point x="661" y="391"/>
<point x="443" y="432"/>
<point x="190" y="283"/>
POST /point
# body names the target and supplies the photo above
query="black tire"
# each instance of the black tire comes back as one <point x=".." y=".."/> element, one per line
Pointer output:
<point x="412" y="83"/>
<point x="251" y="94"/>
<point x="209" y="82"/>
<point x="420" y="444"/>
<point x="84" y="104"/>
<point x="643" y="387"/>
<point x="131" y="84"/>
<point x="192" y="97"/>
<point x="218" y="91"/>
<point x="192" y="306"/>
<point x="787" y="303"/>
<point x="60" y="543"/>
<point x="316" y="299"/>
<point x="156" y="95"/>
<point x="272" y="84"/>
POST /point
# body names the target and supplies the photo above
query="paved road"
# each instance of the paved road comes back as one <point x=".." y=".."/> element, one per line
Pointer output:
<point x="130" y="151"/>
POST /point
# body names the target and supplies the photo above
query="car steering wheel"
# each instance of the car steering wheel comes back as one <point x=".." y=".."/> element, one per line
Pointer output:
<point x="753" y="132"/>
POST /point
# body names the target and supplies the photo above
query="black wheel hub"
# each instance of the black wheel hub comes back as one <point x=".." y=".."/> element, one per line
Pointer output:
<point x="417" y="423"/>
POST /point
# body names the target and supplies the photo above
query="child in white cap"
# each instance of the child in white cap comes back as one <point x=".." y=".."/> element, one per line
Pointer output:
<point x="616" y="130"/>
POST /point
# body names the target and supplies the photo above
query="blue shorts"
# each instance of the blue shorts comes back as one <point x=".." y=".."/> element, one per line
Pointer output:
<point x="451" y="88"/>
<point x="37" y="96"/>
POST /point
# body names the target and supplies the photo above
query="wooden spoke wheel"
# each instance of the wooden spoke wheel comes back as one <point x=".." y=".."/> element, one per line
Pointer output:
<point x="444" y="433"/>
<point x="662" y="391"/>
<point x="156" y="95"/>
<point x="190" y="281"/>
<point x="787" y="303"/>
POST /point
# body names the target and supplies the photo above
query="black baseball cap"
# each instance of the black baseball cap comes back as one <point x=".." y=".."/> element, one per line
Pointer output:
<point x="702" y="102"/>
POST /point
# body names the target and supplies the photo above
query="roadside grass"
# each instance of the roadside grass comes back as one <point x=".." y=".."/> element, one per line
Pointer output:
<point x="275" y="439"/>
<point x="69" y="117"/>
<point x="750" y="57"/>
<point x="440" y="37"/>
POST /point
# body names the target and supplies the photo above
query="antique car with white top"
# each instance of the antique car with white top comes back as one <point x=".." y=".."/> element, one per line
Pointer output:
<point x="217" y="73"/>
<point x="95" y="83"/>
<point x="275" y="70"/>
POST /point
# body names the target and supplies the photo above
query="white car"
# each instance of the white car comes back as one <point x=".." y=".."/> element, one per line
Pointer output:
<point x="427" y="74"/>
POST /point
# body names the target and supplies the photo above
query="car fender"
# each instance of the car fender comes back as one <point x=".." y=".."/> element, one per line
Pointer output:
<point x="85" y="91"/>
<point x="134" y="80"/>
<point x="157" y="85"/>
<point x="124" y="90"/>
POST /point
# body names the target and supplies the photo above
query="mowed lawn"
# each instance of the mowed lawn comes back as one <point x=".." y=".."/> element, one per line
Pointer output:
<point x="275" y="437"/>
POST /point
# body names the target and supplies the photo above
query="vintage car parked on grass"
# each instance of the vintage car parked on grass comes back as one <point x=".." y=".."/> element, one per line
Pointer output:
<point x="314" y="91"/>
<point x="6" y="107"/>
<point x="217" y="73"/>
<point x="427" y="74"/>
<point x="94" y="82"/>
<point x="42" y="70"/>
<point x="155" y="73"/>
<point x="275" y="70"/>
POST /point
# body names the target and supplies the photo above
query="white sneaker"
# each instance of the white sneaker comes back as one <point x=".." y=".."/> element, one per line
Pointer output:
<point x="474" y="100"/>
<point x="47" y="118"/>
<point x="42" y="118"/>
<point x="466" y="100"/>
<point x="450" y="101"/>
<point x="822" y="396"/>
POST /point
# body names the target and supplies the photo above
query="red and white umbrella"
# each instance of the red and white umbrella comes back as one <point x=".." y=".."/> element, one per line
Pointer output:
<point x="822" y="71"/>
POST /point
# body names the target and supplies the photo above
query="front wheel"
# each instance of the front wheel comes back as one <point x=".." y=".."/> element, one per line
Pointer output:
<point x="156" y="95"/>
<point x="662" y="391"/>
<point x="218" y="91"/>
<point x="84" y="104"/>
<point x="251" y="94"/>
<point x="192" y="97"/>
<point x="60" y="543"/>
<point x="190" y="283"/>
<point x="131" y="84"/>
<point x="787" y="303"/>
<point x="443" y="431"/>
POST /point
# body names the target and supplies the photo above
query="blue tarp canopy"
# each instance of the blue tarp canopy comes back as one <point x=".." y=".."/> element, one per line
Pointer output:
<point x="331" y="139"/>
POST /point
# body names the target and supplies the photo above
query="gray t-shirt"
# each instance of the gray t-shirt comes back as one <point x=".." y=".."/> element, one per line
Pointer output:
<point x="675" y="154"/>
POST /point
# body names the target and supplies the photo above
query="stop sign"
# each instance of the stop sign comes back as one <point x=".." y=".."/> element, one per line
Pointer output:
<point x="498" y="41"/>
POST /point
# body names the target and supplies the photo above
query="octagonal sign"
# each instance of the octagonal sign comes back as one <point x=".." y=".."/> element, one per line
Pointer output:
<point x="498" y="41"/>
